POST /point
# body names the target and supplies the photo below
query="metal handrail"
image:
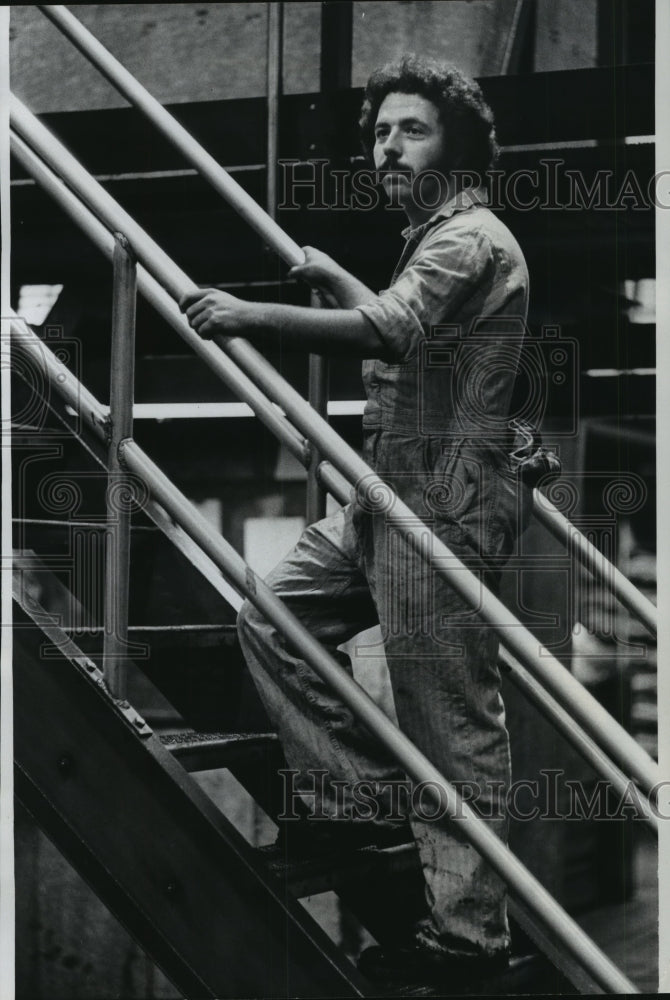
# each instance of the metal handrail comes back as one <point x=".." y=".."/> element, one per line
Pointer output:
<point x="224" y="368"/>
<point x="447" y="800"/>
<point x="592" y="558"/>
<point x="267" y="227"/>
<point x="564" y="687"/>
<point x="330" y="478"/>
<point x="133" y="90"/>
<point x="79" y="402"/>
<point x="575" y="735"/>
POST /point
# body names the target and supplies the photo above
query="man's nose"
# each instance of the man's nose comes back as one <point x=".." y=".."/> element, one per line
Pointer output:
<point x="392" y="142"/>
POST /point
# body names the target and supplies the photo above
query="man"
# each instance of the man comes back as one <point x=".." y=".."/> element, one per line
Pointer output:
<point x="436" y="429"/>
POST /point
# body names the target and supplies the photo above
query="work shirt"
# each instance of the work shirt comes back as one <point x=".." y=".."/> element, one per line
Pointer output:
<point x="453" y="320"/>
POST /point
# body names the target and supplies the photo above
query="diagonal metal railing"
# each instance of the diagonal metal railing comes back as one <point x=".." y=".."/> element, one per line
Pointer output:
<point x="132" y="89"/>
<point x="592" y="559"/>
<point x="117" y="74"/>
<point x="377" y="495"/>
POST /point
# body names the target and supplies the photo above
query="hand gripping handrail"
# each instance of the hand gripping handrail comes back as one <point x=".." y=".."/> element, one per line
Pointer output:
<point x="241" y="201"/>
<point x="332" y="480"/>
<point x="531" y="895"/>
<point x="374" y="492"/>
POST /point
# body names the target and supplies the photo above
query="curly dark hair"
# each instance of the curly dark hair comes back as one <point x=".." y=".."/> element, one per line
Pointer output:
<point x="465" y="115"/>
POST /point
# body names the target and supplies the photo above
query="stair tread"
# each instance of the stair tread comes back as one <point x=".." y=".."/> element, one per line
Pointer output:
<point x="169" y="629"/>
<point x="184" y="740"/>
<point x="99" y="524"/>
<point x="277" y="860"/>
<point x="162" y="636"/>
<point x="212" y="751"/>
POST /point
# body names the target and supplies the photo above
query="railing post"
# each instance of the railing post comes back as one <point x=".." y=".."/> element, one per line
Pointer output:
<point x="121" y="397"/>
<point x="318" y="365"/>
<point x="275" y="45"/>
<point x="318" y="399"/>
<point x="336" y="36"/>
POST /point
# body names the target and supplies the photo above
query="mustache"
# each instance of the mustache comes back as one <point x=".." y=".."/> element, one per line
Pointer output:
<point x="393" y="168"/>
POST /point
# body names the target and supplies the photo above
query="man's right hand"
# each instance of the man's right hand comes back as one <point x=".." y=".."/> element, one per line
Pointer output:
<point x="338" y="288"/>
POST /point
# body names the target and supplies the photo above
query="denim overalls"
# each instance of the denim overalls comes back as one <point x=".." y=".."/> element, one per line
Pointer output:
<point x="435" y="428"/>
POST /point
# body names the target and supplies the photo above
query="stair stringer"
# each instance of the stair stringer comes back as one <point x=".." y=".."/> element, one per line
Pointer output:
<point x="151" y="844"/>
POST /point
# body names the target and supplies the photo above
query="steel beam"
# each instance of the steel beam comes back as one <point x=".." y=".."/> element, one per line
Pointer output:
<point x="275" y="51"/>
<point x="337" y="32"/>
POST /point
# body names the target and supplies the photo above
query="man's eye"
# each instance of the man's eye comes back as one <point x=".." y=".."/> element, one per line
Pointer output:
<point x="414" y="130"/>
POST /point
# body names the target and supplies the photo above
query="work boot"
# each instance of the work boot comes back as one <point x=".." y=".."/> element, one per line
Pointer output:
<point x="301" y="839"/>
<point x="416" y="964"/>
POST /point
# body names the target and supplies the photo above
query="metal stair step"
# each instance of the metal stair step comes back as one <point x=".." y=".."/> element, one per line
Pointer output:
<point x="341" y="870"/>
<point x="209" y="751"/>
<point x="56" y="524"/>
<point x="163" y="636"/>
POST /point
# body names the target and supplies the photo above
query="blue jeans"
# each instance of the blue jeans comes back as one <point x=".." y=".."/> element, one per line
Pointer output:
<point x="347" y="573"/>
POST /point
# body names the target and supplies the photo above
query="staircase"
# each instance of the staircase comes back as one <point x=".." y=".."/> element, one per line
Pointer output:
<point x="119" y="800"/>
<point x="121" y="806"/>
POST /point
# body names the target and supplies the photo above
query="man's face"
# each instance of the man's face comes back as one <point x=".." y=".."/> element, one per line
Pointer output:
<point x="410" y="137"/>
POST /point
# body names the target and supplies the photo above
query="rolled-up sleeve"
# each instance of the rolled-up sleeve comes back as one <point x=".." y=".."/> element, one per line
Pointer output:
<point x="447" y="267"/>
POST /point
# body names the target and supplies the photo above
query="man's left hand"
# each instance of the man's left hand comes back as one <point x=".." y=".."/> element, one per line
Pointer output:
<point x="211" y="312"/>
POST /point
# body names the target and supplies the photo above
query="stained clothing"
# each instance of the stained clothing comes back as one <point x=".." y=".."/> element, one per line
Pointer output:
<point x="435" y="428"/>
